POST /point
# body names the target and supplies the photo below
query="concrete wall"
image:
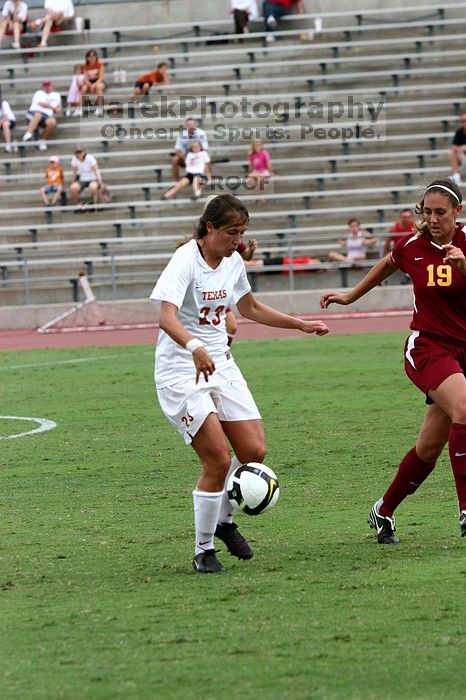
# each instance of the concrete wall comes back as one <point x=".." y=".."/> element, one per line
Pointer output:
<point x="143" y="311"/>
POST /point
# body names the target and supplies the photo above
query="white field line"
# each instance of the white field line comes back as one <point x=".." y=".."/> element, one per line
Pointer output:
<point x="76" y="361"/>
<point x="44" y="424"/>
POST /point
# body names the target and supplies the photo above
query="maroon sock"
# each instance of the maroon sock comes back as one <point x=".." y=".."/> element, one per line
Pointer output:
<point x="410" y="475"/>
<point x="457" y="449"/>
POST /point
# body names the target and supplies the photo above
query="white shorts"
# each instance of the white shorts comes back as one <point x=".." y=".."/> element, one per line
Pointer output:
<point x="187" y="405"/>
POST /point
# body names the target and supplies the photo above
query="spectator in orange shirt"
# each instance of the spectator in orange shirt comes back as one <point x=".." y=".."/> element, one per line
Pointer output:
<point x="402" y="227"/>
<point x="159" y="76"/>
<point x="93" y="79"/>
<point x="55" y="180"/>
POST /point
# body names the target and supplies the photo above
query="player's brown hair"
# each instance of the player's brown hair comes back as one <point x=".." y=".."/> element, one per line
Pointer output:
<point x="222" y="210"/>
<point x="448" y="189"/>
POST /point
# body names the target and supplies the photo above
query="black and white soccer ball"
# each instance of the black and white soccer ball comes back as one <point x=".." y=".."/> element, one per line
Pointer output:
<point x="253" y="488"/>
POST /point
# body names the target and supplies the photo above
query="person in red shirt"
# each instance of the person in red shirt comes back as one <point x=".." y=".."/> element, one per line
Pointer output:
<point x="403" y="225"/>
<point x="435" y="353"/>
<point x="274" y="10"/>
<point x="158" y="76"/>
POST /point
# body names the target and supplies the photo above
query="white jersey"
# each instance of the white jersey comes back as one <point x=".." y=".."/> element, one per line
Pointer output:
<point x="202" y="296"/>
<point x="356" y="246"/>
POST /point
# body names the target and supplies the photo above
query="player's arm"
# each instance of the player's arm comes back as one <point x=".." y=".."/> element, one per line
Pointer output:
<point x="254" y="310"/>
<point x="377" y="274"/>
<point x="170" y="323"/>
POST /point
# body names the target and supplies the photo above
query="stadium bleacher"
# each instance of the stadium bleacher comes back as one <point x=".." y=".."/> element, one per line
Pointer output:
<point x="409" y="62"/>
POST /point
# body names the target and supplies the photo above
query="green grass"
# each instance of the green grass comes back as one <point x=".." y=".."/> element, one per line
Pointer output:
<point x="97" y="596"/>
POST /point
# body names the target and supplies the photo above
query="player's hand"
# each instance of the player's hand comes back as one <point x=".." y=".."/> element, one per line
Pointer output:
<point x="333" y="298"/>
<point x="204" y="364"/>
<point x="317" y="327"/>
<point x="252" y="244"/>
<point x="455" y="256"/>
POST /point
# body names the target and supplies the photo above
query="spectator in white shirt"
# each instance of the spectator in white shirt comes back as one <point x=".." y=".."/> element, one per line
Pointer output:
<point x="58" y="13"/>
<point x="197" y="162"/>
<point x="243" y="11"/>
<point x="41" y="114"/>
<point x="84" y="173"/>
<point x="8" y="123"/>
<point x="14" y="19"/>
<point x="183" y="142"/>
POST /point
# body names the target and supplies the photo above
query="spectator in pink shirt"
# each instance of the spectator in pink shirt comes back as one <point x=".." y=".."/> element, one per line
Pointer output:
<point x="259" y="168"/>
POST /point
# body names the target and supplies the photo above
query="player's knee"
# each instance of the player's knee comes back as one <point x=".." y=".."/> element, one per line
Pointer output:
<point x="430" y="450"/>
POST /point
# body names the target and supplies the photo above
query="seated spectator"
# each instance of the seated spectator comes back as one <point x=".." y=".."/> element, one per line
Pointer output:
<point x="196" y="161"/>
<point x="457" y="151"/>
<point x="58" y="14"/>
<point x="73" y="101"/>
<point x="183" y="142"/>
<point x="259" y="168"/>
<point x="402" y="227"/>
<point x="274" y="10"/>
<point x="93" y="79"/>
<point x="54" y="182"/>
<point x="243" y="11"/>
<point x="14" y="19"/>
<point x="8" y="123"/>
<point x="45" y="105"/>
<point x="355" y="244"/>
<point x="85" y="173"/>
<point x="159" y="76"/>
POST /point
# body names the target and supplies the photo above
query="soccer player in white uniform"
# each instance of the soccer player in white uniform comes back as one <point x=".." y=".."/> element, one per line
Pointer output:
<point x="199" y="386"/>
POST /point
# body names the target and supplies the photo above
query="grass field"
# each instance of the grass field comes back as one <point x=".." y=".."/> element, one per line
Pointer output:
<point x="98" y="598"/>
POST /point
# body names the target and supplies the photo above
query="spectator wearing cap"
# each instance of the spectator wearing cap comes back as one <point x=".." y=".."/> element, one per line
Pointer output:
<point x="54" y="182"/>
<point x="58" y="13"/>
<point x="85" y="173"/>
<point x="45" y="105"/>
<point x="183" y="144"/>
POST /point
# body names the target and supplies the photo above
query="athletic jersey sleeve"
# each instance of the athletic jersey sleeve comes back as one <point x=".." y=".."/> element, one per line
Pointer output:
<point x="396" y="256"/>
<point x="174" y="280"/>
<point x="242" y="286"/>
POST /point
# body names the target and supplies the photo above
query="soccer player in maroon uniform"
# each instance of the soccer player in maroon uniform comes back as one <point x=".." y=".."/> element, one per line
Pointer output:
<point x="435" y="352"/>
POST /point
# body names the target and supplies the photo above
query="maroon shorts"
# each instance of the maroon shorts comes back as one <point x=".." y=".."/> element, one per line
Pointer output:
<point x="430" y="359"/>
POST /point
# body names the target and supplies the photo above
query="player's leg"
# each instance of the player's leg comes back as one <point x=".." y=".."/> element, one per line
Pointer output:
<point x="450" y="395"/>
<point x="247" y="439"/>
<point x="412" y="471"/>
<point x="230" y="325"/>
<point x="212" y="449"/>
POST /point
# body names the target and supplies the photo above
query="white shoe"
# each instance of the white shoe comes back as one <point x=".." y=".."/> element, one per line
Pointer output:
<point x="16" y="45"/>
<point x="8" y="148"/>
<point x="27" y="136"/>
<point x="76" y="112"/>
<point x="456" y="178"/>
<point x="41" y="145"/>
<point x="14" y="146"/>
<point x="99" y="112"/>
<point x="68" y="112"/>
<point x="271" y="22"/>
<point x="270" y="38"/>
<point x="318" y="25"/>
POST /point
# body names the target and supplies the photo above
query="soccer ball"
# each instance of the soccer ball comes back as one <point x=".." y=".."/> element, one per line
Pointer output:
<point x="253" y="488"/>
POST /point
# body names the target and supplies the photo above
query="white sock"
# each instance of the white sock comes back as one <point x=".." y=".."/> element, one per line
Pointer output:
<point x="206" y="509"/>
<point x="227" y="511"/>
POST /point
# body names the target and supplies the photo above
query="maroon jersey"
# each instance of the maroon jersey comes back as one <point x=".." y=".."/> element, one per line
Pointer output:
<point x="439" y="288"/>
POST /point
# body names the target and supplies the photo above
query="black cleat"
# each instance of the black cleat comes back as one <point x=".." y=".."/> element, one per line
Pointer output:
<point x="207" y="563"/>
<point x="234" y="540"/>
<point x="384" y="526"/>
<point x="463" y="523"/>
